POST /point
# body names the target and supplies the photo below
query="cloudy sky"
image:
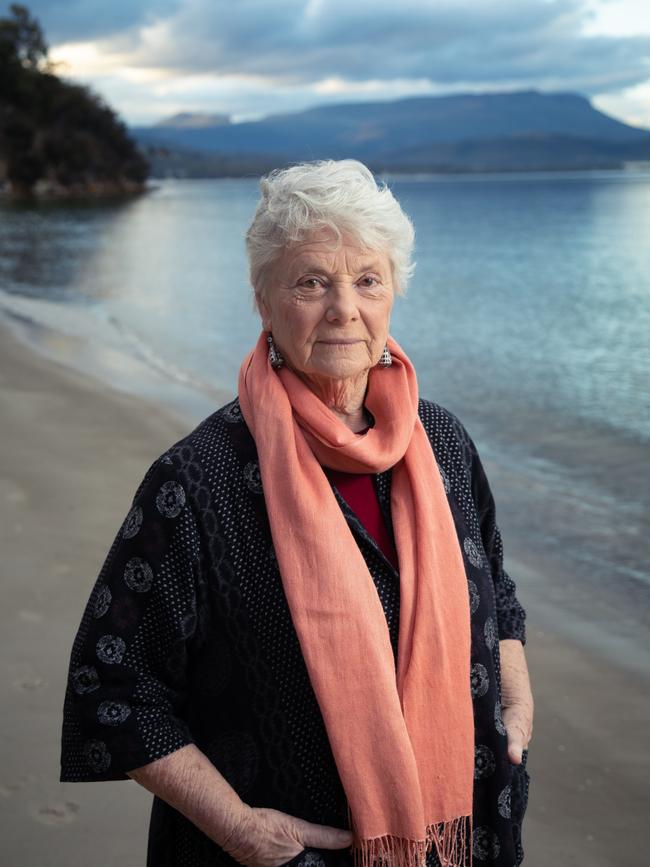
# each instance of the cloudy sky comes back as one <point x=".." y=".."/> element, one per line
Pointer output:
<point x="152" y="58"/>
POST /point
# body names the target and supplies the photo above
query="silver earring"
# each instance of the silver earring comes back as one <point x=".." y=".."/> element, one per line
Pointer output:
<point x="385" y="359"/>
<point x="275" y="359"/>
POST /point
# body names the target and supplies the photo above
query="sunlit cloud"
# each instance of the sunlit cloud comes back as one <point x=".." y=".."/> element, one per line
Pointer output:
<point x="617" y="18"/>
<point x="376" y="86"/>
<point x="86" y="60"/>
<point x="633" y="104"/>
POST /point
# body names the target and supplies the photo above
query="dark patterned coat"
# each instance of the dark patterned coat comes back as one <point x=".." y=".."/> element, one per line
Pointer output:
<point x="187" y="637"/>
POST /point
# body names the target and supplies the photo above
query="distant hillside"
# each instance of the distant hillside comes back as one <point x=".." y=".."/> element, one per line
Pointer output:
<point x="193" y="120"/>
<point x="56" y="139"/>
<point x="472" y="132"/>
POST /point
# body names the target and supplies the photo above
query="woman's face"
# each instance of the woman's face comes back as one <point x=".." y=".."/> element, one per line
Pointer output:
<point x="328" y="307"/>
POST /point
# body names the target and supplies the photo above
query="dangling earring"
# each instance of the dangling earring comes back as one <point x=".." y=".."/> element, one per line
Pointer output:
<point x="385" y="360"/>
<point x="275" y="359"/>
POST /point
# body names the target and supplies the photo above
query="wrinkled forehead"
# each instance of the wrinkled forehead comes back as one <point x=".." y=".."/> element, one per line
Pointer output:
<point x="324" y="250"/>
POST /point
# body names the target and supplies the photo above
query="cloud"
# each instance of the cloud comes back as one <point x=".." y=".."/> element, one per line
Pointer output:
<point x="632" y="104"/>
<point x="77" y="20"/>
<point x="300" y="47"/>
<point x="539" y="42"/>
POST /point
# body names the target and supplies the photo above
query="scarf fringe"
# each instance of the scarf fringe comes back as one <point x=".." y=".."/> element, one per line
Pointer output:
<point x="452" y="842"/>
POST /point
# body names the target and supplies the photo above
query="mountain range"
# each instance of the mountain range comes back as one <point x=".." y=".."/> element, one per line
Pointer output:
<point x="525" y="130"/>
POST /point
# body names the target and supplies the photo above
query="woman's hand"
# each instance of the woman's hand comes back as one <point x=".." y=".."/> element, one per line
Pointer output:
<point x="188" y="781"/>
<point x="517" y="703"/>
<point x="268" y="838"/>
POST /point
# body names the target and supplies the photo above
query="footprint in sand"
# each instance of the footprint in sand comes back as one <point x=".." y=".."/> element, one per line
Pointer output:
<point x="26" y="677"/>
<point x="57" y="814"/>
<point x="7" y="790"/>
<point x="29" y="682"/>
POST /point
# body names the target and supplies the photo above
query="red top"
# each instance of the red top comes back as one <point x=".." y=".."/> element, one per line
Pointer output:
<point x="358" y="491"/>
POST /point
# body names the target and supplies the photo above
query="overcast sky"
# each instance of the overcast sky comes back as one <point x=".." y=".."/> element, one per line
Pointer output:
<point x="152" y="58"/>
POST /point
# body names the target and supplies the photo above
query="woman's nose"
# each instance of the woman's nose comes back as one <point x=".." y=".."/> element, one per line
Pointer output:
<point x="342" y="305"/>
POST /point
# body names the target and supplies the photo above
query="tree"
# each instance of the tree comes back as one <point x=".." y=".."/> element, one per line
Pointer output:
<point x="22" y="40"/>
<point x="54" y="132"/>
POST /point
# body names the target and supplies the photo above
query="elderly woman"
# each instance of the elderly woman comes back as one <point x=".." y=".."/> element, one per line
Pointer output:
<point x="303" y="640"/>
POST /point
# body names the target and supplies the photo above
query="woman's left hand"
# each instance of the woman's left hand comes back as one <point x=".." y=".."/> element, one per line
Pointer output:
<point x="517" y="705"/>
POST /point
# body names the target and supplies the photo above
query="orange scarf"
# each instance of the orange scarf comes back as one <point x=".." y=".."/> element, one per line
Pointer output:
<point x="402" y="740"/>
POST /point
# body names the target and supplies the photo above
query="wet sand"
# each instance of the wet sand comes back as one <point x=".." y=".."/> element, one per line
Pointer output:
<point x="73" y="451"/>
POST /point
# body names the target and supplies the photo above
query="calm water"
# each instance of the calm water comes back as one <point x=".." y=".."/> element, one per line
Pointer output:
<point x="529" y="316"/>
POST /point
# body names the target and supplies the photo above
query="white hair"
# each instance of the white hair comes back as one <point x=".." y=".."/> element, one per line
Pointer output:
<point x="340" y="195"/>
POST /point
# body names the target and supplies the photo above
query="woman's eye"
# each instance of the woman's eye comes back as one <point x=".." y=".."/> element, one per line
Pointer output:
<point x="368" y="280"/>
<point x="310" y="282"/>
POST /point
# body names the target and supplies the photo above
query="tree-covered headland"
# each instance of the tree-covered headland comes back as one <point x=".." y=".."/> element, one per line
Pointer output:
<point x="57" y="139"/>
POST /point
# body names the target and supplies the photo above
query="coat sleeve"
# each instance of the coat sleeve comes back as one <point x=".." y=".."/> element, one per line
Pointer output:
<point x="126" y="690"/>
<point x="511" y="616"/>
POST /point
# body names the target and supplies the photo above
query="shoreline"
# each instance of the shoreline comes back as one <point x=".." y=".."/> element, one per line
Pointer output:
<point x="114" y="367"/>
<point x="74" y="452"/>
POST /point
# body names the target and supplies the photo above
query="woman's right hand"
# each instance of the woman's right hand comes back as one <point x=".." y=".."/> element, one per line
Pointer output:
<point x="268" y="838"/>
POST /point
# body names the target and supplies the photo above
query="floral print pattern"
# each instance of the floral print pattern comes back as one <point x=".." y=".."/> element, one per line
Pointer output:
<point x="479" y="680"/>
<point x="490" y="633"/>
<point x="486" y="844"/>
<point x="110" y="649"/>
<point x="503" y="802"/>
<point x="97" y="756"/>
<point x="498" y="719"/>
<point x="253" y="477"/>
<point x="112" y="713"/>
<point x="85" y="679"/>
<point x="170" y="499"/>
<point x="132" y="523"/>
<point x="484" y="763"/>
<point x="102" y="600"/>
<point x="472" y="551"/>
<point x="138" y="575"/>
<point x="474" y="598"/>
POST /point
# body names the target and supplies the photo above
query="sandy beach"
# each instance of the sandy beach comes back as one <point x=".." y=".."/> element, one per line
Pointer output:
<point x="73" y="451"/>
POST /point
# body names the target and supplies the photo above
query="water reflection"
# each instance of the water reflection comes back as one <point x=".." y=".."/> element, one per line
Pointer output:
<point x="43" y="249"/>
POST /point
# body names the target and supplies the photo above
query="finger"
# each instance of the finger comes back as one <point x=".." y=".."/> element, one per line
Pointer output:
<point x="515" y="753"/>
<point x="324" y="836"/>
<point x="516" y="743"/>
